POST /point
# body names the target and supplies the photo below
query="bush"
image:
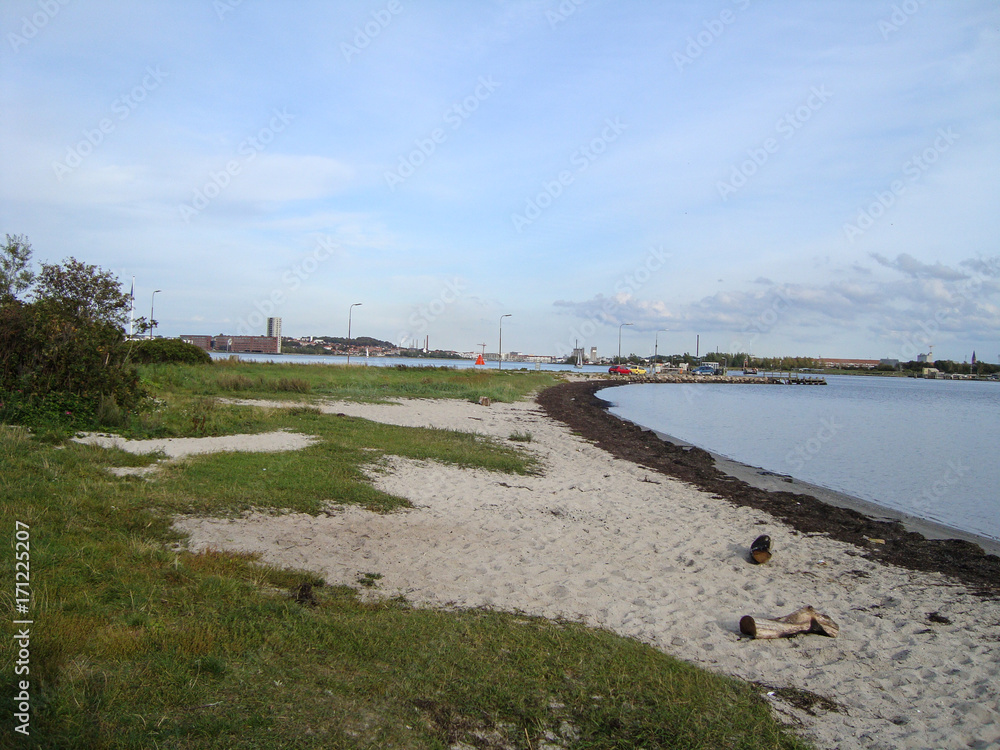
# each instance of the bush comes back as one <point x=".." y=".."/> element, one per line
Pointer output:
<point x="63" y="361"/>
<point x="156" y="351"/>
<point x="57" y="365"/>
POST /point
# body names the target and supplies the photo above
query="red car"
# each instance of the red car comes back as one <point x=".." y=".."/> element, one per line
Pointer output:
<point x="619" y="370"/>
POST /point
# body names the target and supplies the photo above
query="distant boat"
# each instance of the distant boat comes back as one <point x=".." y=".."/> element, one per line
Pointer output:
<point x="747" y="370"/>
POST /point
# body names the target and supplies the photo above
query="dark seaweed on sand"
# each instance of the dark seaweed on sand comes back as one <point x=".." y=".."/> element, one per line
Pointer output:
<point x="576" y="405"/>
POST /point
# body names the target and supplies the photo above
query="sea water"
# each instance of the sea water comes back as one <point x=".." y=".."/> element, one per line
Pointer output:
<point x="925" y="447"/>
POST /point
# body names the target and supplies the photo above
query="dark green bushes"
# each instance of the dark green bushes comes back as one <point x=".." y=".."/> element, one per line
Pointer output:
<point x="157" y="351"/>
<point x="57" y="366"/>
<point x="64" y="363"/>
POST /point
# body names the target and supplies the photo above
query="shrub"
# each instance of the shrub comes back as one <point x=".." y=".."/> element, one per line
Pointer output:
<point x="63" y="363"/>
<point x="49" y="353"/>
<point x="168" y="350"/>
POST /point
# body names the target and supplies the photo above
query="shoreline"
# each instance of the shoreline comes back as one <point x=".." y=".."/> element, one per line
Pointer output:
<point x="899" y="538"/>
<point x="765" y="479"/>
<point x="770" y="481"/>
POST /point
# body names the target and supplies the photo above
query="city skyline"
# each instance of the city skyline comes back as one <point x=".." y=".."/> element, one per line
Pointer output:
<point x="776" y="178"/>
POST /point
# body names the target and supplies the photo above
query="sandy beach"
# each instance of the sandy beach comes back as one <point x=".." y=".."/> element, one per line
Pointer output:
<point x="616" y="545"/>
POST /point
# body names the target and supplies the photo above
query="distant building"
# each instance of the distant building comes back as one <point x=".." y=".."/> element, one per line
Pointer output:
<point x="522" y="357"/>
<point x="274" y="331"/>
<point x="593" y="354"/>
<point x="235" y="344"/>
<point x="203" y="342"/>
<point x="248" y="344"/>
<point x="861" y="364"/>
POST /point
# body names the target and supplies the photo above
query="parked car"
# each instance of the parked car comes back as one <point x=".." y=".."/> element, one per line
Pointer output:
<point x="619" y="370"/>
<point x="637" y="370"/>
<point x="703" y="370"/>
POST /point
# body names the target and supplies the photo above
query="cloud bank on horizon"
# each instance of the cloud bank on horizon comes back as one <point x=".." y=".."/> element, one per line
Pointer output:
<point x="776" y="177"/>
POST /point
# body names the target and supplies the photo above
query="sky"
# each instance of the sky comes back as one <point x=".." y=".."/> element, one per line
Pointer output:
<point x="785" y="178"/>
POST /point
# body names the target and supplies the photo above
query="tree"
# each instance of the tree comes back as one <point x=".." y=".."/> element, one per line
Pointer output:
<point x="87" y="291"/>
<point x="63" y="357"/>
<point x="15" y="267"/>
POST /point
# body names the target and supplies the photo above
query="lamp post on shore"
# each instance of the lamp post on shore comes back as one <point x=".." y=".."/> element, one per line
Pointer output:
<point x="656" y="346"/>
<point x="152" y="323"/>
<point x="350" y="312"/>
<point x="500" y="345"/>
<point x="620" y="340"/>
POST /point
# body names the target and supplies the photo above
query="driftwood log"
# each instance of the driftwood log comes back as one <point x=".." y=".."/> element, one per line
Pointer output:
<point x="804" y="620"/>
<point x="760" y="550"/>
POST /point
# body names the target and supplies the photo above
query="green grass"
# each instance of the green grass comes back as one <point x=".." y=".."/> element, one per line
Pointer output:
<point x="138" y="643"/>
<point x="329" y="471"/>
<point x="372" y="384"/>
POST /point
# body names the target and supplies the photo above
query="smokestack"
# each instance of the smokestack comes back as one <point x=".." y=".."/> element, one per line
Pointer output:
<point x="697" y="346"/>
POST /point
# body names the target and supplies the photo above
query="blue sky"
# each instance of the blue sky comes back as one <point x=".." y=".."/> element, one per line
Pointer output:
<point x="784" y="177"/>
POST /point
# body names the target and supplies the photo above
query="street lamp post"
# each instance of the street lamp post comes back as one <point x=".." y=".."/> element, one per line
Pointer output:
<point x="152" y="325"/>
<point x="620" y="340"/>
<point x="500" y="345"/>
<point x="350" y="312"/>
<point x="656" y="346"/>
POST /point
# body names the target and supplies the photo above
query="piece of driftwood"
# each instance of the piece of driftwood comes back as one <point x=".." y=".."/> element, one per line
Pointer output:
<point x="804" y="620"/>
<point x="760" y="550"/>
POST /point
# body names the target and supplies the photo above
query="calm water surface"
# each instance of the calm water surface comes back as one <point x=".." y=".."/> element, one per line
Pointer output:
<point x="925" y="447"/>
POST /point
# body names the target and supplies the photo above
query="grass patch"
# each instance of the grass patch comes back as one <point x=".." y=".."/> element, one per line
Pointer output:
<point x="520" y="437"/>
<point x="137" y="644"/>
<point x="330" y="471"/>
<point x="370" y="384"/>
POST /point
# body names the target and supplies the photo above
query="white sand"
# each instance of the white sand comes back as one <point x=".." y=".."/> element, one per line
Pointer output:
<point x="265" y="442"/>
<point x="609" y="543"/>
